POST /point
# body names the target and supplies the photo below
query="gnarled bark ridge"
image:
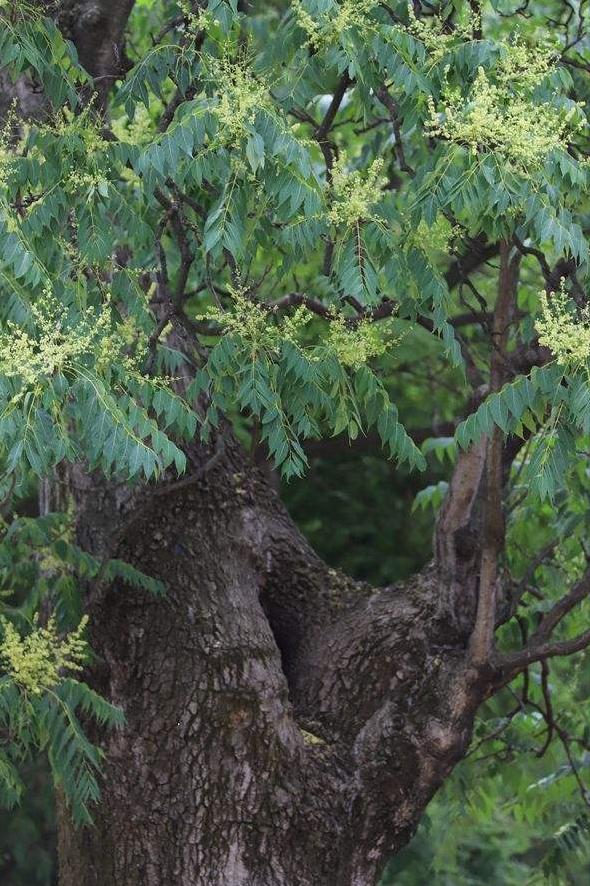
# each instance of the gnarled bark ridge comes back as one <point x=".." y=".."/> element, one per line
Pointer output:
<point x="284" y="724"/>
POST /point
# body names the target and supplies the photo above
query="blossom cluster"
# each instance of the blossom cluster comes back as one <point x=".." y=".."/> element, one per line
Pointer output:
<point x="325" y="29"/>
<point x="354" y="346"/>
<point x="499" y="114"/>
<point x="354" y="192"/>
<point x="240" y="95"/>
<point x="435" y="34"/>
<point x="58" y="343"/>
<point x="37" y="661"/>
<point x="566" y="332"/>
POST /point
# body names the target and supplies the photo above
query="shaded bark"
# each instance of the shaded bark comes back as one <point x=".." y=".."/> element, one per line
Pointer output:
<point x="285" y="724"/>
<point x="96" y="27"/>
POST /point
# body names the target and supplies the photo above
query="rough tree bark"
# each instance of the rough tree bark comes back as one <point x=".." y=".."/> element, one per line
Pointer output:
<point x="286" y="726"/>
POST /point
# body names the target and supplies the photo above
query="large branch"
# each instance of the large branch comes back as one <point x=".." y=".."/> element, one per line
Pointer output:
<point x="482" y="638"/>
<point x="457" y="536"/>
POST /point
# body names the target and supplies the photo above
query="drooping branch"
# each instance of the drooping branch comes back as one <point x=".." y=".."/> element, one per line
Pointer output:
<point x="479" y="252"/>
<point x="565" y="268"/>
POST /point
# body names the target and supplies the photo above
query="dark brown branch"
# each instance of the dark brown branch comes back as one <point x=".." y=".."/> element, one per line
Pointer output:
<point x="548" y="712"/>
<point x="388" y="102"/>
<point x="169" y="26"/>
<point x="523" y="586"/>
<point x="327" y="147"/>
<point x="482" y="638"/>
<point x="178" y="225"/>
<point x="479" y="253"/>
<point x="196" y="476"/>
<point x="333" y="108"/>
<point x="564" y="268"/>
<point x="537" y="253"/>
<point x="579" y="592"/>
<point x="299" y="298"/>
<point x="514" y="662"/>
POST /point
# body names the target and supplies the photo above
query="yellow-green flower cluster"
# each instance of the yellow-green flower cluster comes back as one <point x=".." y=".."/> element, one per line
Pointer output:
<point x="89" y="183"/>
<point x="354" y="193"/>
<point x="327" y="29"/>
<point x="254" y="324"/>
<point x="240" y="95"/>
<point x="11" y="127"/>
<point x="524" y="67"/>
<point x="20" y="9"/>
<point x="84" y="125"/>
<point x="354" y="346"/>
<point x="6" y="162"/>
<point x="197" y="21"/>
<point x="499" y="115"/>
<point x="435" y="34"/>
<point x="433" y="239"/>
<point x="57" y="345"/>
<point x="564" y="331"/>
<point x="37" y="662"/>
<point x="138" y="131"/>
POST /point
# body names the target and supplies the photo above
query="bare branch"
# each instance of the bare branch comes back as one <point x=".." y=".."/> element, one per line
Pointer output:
<point x="579" y="592"/>
<point x="514" y="662"/>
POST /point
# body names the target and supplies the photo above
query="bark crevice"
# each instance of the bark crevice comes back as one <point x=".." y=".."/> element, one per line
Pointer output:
<point x="321" y="712"/>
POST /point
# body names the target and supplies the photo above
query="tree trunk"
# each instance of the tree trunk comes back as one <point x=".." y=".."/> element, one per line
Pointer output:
<point x="284" y="724"/>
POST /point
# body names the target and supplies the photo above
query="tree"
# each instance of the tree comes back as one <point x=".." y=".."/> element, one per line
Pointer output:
<point x="218" y="235"/>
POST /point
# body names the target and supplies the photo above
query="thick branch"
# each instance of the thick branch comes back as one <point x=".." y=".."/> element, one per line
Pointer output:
<point x="481" y="642"/>
<point x="299" y="298"/>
